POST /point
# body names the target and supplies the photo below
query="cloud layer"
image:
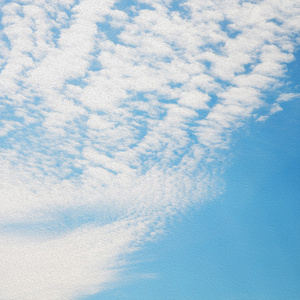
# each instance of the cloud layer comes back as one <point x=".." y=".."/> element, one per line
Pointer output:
<point x="116" y="115"/>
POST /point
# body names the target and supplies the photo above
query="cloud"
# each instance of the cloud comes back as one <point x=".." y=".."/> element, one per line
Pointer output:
<point x="115" y="117"/>
<point x="275" y="107"/>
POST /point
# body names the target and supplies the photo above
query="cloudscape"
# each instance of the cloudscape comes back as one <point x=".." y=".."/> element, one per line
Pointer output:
<point x="116" y="116"/>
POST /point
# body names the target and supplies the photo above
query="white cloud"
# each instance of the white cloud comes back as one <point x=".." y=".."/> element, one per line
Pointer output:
<point x="287" y="97"/>
<point x="68" y="266"/>
<point x="121" y="126"/>
<point x="275" y="107"/>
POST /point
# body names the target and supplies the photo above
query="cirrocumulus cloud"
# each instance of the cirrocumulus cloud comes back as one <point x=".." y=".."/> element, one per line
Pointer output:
<point x="115" y="116"/>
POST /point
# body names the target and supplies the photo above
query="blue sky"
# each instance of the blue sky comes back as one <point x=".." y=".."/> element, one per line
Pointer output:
<point x="245" y="243"/>
<point x="149" y="149"/>
<point x="242" y="245"/>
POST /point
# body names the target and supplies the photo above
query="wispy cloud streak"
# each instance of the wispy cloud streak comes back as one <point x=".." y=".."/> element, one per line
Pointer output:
<point x="114" y="117"/>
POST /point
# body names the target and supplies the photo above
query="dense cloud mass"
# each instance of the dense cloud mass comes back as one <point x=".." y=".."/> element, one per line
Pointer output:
<point x="115" y="115"/>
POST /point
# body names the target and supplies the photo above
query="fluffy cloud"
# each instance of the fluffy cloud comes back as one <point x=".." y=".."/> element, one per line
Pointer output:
<point x="115" y="117"/>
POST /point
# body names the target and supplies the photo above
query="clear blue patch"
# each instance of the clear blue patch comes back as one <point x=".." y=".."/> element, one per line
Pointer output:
<point x="74" y="172"/>
<point x="191" y="134"/>
<point x="229" y="31"/>
<point x="9" y="114"/>
<point x="141" y="96"/>
<point x="77" y="82"/>
<point x="55" y="35"/>
<point x="276" y="21"/>
<point x="213" y="48"/>
<point x="214" y="99"/>
<point x="110" y="32"/>
<point x="202" y="113"/>
<point x="95" y="65"/>
<point x="5" y="2"/>
<point x="167" y="59"/>
<point x="174" y="85"/>
<point x="168" y="101"/>
<point x="248" y="68"/>
<point x="131" y="7"/>
<point x="178" y="6"/>
<point x="207" y="64"/>
<point x="140" y="124"/>
<point x="69" y="11"/>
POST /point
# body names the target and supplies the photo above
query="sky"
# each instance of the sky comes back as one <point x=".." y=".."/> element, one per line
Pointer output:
<point x="149" y="149"/>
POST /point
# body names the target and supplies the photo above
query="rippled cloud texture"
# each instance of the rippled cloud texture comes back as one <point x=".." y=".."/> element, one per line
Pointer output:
<point x="115" y="116"/>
